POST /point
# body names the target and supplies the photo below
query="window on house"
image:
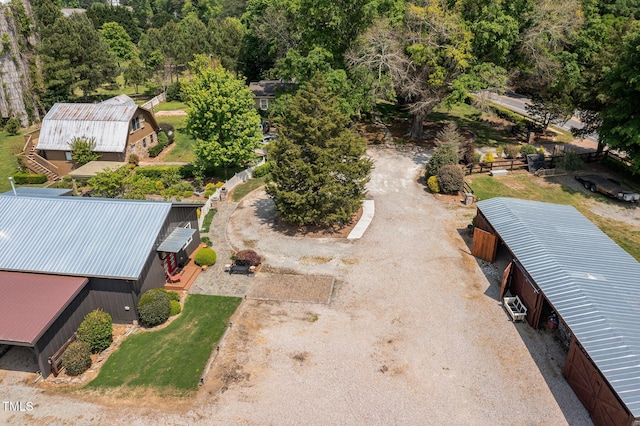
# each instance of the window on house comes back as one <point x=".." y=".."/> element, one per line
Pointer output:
<point x="67" y="156"/>
<point x="133" y="148"/>
<point x="152" y="138"/>
<point x="264" y="104"/>
<point x="135" y="123"/>
<point x="144" y="142"/>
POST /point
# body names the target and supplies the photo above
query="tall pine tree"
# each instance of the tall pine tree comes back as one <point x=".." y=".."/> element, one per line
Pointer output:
<point x="320" y="172"/>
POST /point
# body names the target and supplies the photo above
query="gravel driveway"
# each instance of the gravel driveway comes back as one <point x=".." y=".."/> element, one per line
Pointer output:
<point x="414" y="334"/>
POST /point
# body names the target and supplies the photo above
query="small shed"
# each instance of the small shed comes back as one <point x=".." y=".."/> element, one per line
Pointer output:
<point x="562" y="263"/>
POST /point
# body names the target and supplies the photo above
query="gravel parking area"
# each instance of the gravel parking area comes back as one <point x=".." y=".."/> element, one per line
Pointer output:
<point x="414" y="333"/>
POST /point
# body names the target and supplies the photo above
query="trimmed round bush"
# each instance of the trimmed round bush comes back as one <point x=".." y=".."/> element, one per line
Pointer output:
<point x="77" y="358"/>
<point x="154" y="307"/>
<point x="96" y="330"/>
<point x="528" y="149"/>
<point x="205" y="257"/>
<point x="450" y="179"/>
<point x="432" y="184"/>
<point x="175" y="308"/>
<point x="249" y="256"/>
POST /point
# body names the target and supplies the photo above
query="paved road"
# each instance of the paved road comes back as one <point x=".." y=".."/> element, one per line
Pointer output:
<point x="517" y="103"/>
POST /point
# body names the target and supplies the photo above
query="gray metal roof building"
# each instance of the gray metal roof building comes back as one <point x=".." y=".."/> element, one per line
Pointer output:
<point x="591" y="282"/>
<point x="78" y="236"/>
<point x="108" y="124"/>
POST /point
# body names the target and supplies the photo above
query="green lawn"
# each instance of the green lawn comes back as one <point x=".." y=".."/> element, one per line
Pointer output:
<point x="244" y="188"/>
<point x="183" y="151"/>
<point x="175" y="357"/>
<point x="467" y="117"/>
<point x="527" y="187"/>
<point x="9" y="147"/>
<point x="170" y="106"/>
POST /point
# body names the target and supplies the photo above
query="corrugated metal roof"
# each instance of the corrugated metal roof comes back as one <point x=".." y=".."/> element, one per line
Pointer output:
<point x="592" y="283"/>
<point x="34" y="191"/>
<point x="30" y="303"/>
<point x="79" y="236"/>
<point x="176" y="240"/>
<point x="119" y="100"/>
<point x="108" y="124"/>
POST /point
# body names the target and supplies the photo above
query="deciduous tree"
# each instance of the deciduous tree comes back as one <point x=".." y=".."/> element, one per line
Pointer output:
<point x="222" y="116"/>
<point x="82" y="150"/>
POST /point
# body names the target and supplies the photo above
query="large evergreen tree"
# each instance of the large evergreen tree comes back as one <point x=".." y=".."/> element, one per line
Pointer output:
<point x="319" y="172"/>
<point x="222" y="117"/>
<point x="74" y="55"/>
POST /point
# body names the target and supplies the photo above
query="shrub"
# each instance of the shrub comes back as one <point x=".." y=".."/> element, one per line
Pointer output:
<point x="29" y="178"/>
<point x="445" y="154"/>
<point x="205" y="257"/>
<point x="76" y="358"/>
<point x="249" y="256"/>
<point x="450" y="178"/>
<point x="157" y="172"/>
<point x="96" y="330"/>
<point x="168" y="129"/>
<point x="207" y="241"/>
<point x="163" y="139"/>
<point x="174" y="92"/>
<point x="489" y="158"/>
<point x="432" y="184"/>
<point x="186" y="171"/>
<point x="175" y="308"/>
<point x="187" y="194"/>
<point x="499" y="152"/>
<point x="13" y="126"/>
<point x="173" y="296"/>
<point x="476" y="157"/>
<point x="511" y="151"/>
<point x="155" y="150"/>
<point x="262" y="170"/>
<point x="570" y="161"/>
<point x="528" y="149"/>
<point x="134" y="159"/>
<point x="154" y="307"/>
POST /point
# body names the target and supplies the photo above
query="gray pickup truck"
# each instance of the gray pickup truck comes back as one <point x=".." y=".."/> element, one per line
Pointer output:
<point x="609" y="187"/>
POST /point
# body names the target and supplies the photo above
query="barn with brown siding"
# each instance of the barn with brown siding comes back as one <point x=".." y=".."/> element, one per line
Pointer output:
<point x="62" y="257"/>
<point x="562" y="263"/>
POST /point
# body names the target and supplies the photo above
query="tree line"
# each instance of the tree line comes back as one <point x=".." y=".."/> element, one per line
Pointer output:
<point x="573" y="54"/>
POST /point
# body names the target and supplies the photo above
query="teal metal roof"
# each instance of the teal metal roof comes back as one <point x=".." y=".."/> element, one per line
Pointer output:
<point x="78" y="236"/>
<point x="176" y="240"/>
<point x="590" y="281"/>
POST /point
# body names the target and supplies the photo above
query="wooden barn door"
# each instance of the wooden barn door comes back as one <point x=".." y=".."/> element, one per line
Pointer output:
<point x="485" y="245"/>
<point x="592" y="390"/>
<point x="506" y="280"/>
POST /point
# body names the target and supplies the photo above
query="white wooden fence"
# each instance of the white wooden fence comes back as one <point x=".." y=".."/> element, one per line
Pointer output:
<point x="155" y="101"/>
<point x="225" y="189"/>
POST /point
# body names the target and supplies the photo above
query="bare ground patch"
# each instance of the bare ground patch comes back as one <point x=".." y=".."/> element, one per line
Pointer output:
<point x="292" y="288"/>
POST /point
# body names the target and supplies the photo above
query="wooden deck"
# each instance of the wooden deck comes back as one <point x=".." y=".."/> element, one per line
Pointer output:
<point x="188" y="275"/>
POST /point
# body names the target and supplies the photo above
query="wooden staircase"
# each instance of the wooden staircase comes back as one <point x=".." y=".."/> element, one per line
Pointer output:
<point x="35" y="162"/>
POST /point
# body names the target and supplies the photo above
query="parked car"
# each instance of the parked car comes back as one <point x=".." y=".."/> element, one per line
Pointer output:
<point x="609" y="187"/>
<point x="268" y="139"/>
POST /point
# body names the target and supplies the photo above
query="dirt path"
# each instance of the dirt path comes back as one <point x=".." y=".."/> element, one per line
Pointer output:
<point x="414" y="334"/>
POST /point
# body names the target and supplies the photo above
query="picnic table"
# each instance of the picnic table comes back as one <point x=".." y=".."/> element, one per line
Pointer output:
<point x="241" y="267"/>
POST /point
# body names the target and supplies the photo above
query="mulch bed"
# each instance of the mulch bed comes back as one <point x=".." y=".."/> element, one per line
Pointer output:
<point x="312" y="231"/>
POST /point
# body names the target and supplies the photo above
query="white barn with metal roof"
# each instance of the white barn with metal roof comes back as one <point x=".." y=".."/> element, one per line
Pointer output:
<point x="594" y="287"/>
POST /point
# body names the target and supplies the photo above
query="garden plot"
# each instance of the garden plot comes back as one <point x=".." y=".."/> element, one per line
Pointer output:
<point x="292" y="288"/>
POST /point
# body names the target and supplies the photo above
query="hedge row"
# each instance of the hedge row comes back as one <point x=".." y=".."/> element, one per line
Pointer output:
<point x="29" y="178"/>
<point x="158" y="172"/>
